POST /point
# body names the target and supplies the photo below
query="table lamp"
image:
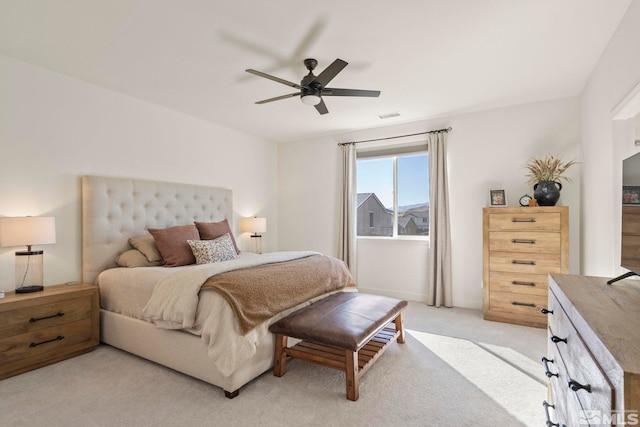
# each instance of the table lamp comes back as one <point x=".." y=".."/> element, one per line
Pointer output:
<point x="28" y="231"/>
<point x="255" y="225"/>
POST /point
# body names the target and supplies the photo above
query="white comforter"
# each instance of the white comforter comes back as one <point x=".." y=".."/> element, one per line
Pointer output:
<point x="174" y="305"/>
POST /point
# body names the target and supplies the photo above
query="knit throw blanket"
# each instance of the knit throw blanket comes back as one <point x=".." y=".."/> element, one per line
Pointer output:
<point x="258" y="293"/>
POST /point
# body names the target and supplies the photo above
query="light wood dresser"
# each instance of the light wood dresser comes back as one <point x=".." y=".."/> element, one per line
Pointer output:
<point x="520" y="247"/>
<point x="593" y="352"/>
<point x="40" y="328"/>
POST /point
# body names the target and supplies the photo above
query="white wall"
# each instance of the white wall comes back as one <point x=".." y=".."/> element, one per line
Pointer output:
<point x="486" y="150"/>
<point x="615" y="75"/>
<point x="54" y="129"/>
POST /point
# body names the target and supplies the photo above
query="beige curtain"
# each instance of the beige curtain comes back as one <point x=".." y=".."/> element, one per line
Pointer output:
<point x="439" y="269"/>
<point x="347" y="234"/>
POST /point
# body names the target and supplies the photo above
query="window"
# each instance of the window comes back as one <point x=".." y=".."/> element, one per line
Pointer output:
<point x="393" y="193"/>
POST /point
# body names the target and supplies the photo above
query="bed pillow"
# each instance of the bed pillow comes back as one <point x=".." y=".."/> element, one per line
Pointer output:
<point x="173" y="246"/>
<point x="213" y="230"/>
<point x="135" y="258"/>
<point x="208" y="251"/>
<point x="147" y="246"/>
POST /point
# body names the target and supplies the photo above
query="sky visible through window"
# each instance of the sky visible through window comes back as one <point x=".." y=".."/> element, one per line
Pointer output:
<point x="376" y="176"/>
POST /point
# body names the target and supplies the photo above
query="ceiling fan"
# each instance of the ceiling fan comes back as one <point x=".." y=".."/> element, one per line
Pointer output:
<point x="312" y="88"/>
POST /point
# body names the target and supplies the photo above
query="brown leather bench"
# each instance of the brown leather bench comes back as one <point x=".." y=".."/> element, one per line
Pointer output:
<point x="346" y="331"/>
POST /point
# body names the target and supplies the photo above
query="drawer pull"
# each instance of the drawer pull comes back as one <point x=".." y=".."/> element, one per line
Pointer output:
<point x="546" y="311"/>
<point x="523" y="220"/>
<point x="525" y="242"/>
<point x="575" y="386"/>
<point x="557" y="339"/>
<point x="533" y="285"/>
<point x="36" y="319"/>
<point x="523" y="304"/>
<point x="549" y="423"/>
<point x="35" y="344"/>
<point x="515" y="261"/>
<point x="547" y="372"/>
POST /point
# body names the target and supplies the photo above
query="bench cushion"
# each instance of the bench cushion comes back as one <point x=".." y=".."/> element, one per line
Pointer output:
<point x="346" y="320"/>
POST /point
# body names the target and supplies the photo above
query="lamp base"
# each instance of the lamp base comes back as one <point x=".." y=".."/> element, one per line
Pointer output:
<point x="29" y="289"/>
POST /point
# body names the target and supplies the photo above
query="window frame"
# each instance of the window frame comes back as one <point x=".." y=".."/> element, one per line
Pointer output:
<point x="394" y="153"/>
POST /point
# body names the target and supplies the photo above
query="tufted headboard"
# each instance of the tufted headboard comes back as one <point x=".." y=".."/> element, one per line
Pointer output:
<point x="115" y="209"/>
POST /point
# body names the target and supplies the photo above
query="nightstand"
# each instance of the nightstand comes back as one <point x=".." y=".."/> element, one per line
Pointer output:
<point x="40" y="328"/>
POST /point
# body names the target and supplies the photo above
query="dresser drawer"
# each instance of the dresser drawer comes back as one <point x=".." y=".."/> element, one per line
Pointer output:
<point x="525" y="262"/>
<point x="519" y="283"/>
<point x="584" y="380"/>
<point x="42" y="316"/>
<point x="568" y="408"/>
<point x="524" y="241"/>
<point x="521" y="221"/>
<point x="509" y="302"/>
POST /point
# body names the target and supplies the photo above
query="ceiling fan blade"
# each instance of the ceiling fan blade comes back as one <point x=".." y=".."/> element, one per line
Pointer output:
<point x="330" y="72"/>
<point x="278" y="98"/>
<point x="321" y="107"/>
<point x="349" y="92"/>
<point x="275" y="79"/>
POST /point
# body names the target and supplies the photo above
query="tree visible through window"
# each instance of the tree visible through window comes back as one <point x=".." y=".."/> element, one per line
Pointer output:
<point x="393" y="195"/>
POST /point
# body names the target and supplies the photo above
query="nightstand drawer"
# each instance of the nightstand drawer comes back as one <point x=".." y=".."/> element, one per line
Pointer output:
<point x="44" y="341"/>
<point x="37" y="317"/>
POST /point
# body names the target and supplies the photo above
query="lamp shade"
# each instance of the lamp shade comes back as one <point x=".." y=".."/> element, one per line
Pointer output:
<point x="27" y="230"/>
<point x="254" y="225"/>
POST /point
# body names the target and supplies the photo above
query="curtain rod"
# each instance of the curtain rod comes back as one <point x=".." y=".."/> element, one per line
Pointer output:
<point x="399" y="136"/>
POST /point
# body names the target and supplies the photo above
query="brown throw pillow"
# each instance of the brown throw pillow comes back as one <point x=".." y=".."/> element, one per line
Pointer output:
<point x="213" y="230"/>
<point x="147" y="246"/>
<point x="172" y="244"/>
<point x="134" y="258"/>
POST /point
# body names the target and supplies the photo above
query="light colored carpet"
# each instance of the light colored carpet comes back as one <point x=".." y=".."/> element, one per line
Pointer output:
<point x="454" y="369"/>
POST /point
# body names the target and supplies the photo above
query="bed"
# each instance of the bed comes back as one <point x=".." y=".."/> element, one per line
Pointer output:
<point x="116" y="209"/>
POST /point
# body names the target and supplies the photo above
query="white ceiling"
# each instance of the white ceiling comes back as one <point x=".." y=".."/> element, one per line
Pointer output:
<point x="428" y="57"/>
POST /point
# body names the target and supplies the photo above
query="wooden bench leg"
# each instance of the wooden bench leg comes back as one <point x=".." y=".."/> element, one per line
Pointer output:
<point x="280" y="363"/>
<point x="353" y="379"/>
<point x="399" y="327"/>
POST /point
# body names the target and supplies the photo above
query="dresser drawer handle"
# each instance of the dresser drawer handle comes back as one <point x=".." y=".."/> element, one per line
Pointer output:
<point x="547" y="372"/>
<point x="515" y="261"/>
<point x="36" y="319"/>
<point x="549" y="423"/>
<point x="523" y="304"/>
<point x="525" y="242"/>
<point x="35" y="344"/>
<point x="546" y="311"/>
<point x="575" y="386"/>
<point x="557" y="339"/>
<point x="523" y="220"/>
<point x="515" y="282"/>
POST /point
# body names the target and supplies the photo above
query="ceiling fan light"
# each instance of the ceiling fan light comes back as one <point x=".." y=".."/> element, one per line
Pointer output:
<point x="311" y="99"/>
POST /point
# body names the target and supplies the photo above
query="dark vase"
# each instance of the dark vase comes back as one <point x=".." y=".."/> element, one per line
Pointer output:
<point x="547" y="193"/>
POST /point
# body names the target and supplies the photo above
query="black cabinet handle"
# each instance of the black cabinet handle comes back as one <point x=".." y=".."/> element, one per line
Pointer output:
<point x="575" y="386"/>
<point x="546" y="311"/>
<point x="547" y="372"/>
<point x="524" y="242"/>
<point x="523" y="220"/>
<point x="515" y="282"/>
<point x="515" y="261"/>
<point x="557" y="339"/>
<point x="523" y="304"/>
<point x="546" y="412"/>
<point x="35" y="344"/>
<point x="36" y="319"/>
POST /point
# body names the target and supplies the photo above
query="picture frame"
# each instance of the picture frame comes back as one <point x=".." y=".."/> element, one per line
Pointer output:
<point x="630" y="195"/>
<point x="497" y="198"/>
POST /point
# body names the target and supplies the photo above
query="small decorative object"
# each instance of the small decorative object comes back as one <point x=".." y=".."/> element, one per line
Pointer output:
<point x="533" y="202"/>
<point x="630" y="195"/>
<point x="544" y="174"/>
<point x="497" y="198"/>
<point x="525" y="200"/>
